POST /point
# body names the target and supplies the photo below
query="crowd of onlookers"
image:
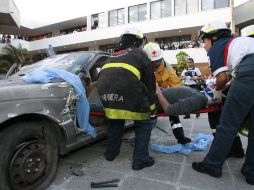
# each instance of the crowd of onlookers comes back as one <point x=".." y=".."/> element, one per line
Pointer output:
<point x="73" y="30"/>
<point x="6" y="38"/>
<point x="177" y="45"/>
<point x="62" y="32"/>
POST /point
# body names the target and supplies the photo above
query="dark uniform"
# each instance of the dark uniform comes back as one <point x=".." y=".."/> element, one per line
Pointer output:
<point x="127" y="88"/>
<point x="228" y="54"/>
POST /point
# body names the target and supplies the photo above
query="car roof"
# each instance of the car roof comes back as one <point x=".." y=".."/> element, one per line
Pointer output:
<point x="92" y="54"/>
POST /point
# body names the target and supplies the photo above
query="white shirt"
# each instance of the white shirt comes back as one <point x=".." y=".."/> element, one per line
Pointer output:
<point x="188" y="74"/>
<point x="239" y="48"/>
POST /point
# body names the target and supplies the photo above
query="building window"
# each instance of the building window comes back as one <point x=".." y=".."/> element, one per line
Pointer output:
<point x="211" y="4"/>
<point x="207" y="5"/>
<point x="180" y="7"/>
<point x="120" y="17"/>
<point x="192" y="6"/>
<point x="116" y="17"/>
<point x="221" y="3"/>
<point x="183" y="7"/>
<point x="137" y="13"/>
<point x="142" y="12"/>
<point x="166" y="8"/>
<point x="112" y="18"/>
<point x="160" y="9"/>
<point x="155" y="10"/>
<point x="98" y="21"/>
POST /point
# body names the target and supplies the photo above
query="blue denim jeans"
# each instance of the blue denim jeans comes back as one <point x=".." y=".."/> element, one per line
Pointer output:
<point x="239" y="102"/>
<point x="142" y="137"/>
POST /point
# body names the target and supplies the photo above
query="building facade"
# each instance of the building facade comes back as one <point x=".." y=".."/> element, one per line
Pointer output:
<point x="174" y="24"/>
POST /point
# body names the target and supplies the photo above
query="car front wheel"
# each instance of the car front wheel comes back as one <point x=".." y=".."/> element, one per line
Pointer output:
<point x="28" y="156"/>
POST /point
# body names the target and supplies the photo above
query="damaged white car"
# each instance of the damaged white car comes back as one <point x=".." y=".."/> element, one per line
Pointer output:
<point x="38" y="121"/>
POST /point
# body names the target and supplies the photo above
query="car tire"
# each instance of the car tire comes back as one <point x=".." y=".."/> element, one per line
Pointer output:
<point x="28" y="156"/>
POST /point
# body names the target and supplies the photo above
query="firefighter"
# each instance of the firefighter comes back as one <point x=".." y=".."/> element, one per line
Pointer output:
<point x="165" y="78"/>
<point x="228" y="54"/>
<point x="127" y="88"/>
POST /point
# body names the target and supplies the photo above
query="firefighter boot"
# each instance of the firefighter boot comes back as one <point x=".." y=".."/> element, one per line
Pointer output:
<point x="236" y="149"/>
<point x="179" y="134"/>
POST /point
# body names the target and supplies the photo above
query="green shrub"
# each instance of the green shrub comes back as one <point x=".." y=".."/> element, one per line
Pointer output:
<point x="181" y="62"/>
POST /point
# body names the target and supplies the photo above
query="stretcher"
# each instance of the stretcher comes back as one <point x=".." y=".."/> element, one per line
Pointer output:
<point x="244" y="130"/>
<point x="214" y="108"/>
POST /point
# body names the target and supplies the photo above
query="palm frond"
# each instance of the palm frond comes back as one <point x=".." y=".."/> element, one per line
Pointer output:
<point x="13" y="52"/>
<point x="5" y="65"/>
<point x="17" y="55"/>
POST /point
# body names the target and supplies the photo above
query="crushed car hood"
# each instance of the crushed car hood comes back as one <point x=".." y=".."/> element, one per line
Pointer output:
<point x="17" y="89"/>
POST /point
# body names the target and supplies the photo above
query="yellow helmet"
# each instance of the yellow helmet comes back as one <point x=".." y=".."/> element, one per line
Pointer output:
<point x="153" y="51"/>
<point x="248" y="31"/>
<point x="213" y="29"/>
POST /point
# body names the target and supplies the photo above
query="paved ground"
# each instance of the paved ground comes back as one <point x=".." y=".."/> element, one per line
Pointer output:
<point x="171" y="171"/>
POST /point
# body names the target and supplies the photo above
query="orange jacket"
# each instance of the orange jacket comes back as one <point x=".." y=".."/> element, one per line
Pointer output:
<point x="166" y="77"/>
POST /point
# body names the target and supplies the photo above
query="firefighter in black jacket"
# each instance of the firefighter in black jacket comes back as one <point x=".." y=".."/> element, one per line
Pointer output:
<point x="127" y="88"/>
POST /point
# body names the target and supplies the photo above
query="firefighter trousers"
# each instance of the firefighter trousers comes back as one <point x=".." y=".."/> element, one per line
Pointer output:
<point x="142" y="129"/>
<point x="238" y="104"/>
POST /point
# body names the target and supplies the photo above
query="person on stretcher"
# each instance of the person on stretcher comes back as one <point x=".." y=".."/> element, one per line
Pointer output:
<point x="180" y="100"/>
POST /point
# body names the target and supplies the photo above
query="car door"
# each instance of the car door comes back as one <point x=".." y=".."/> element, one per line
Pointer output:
<point x="90" y="80"/>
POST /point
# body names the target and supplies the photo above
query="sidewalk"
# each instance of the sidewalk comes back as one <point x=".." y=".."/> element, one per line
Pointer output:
<point x="170" y="171"/>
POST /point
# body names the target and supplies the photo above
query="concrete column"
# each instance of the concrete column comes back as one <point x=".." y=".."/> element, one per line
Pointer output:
<point x="106" y="19"/>
<point x="173" y="7"/>
<point x="126" y="15"/>
<point x="232" y="24"/>
<point x="148" y="8"/>
<point x="199" y="5"/>
<point x="89" y="22"/>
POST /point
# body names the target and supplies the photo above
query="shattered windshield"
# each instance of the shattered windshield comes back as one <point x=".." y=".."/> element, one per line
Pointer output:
<point x="72" y="62"/>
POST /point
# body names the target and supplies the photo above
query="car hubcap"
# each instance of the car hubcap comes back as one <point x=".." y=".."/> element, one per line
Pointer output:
<point x="27" y="164"/>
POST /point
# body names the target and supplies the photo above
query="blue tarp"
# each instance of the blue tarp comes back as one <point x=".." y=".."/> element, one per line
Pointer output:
<point x="199" y="143"/>
<point x="46" y="75"/>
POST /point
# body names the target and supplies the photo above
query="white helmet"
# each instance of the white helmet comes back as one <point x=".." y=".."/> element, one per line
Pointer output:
<point x="134" y="31"/>
<point x="212" y="28"/>
<point x="153" y="51"/>
<point x="248" y="31"/>
<point x="132" y="37"/>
